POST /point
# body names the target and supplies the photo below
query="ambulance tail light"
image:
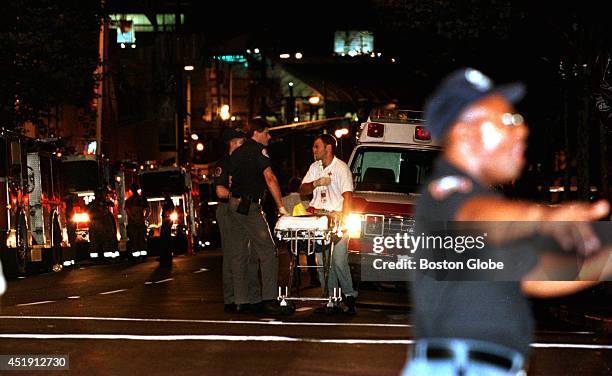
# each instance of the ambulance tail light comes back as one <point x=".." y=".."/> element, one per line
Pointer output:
<point x="376" y="130"/>
<point x="421" y="133"/>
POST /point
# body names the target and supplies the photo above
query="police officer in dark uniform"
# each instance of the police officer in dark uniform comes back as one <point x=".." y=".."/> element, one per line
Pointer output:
<point x="234" y="139"/>
<point x="479" y="327"/>
<point x="251" y="175"/>
<point x="102" y="226"/>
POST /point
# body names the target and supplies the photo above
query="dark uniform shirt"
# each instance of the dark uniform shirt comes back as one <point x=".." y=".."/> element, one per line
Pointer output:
<point x="222" y="172"/>
<point x="248" y="163"/>
<point x="495" y="312"/>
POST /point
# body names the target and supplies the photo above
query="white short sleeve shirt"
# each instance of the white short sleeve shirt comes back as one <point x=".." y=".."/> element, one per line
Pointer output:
<point x="330" y="197"/>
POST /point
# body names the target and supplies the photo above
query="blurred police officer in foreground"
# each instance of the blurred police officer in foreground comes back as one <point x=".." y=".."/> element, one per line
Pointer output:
<point x="251" y="174"/>
<point x="465" y="327"/>
<point x="234" y="139"/>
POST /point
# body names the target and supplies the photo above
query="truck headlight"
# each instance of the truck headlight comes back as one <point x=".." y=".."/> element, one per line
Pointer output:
<point x="80" y="218"/>
<point x="352" y="224"/>
<point x="174" y="216"/>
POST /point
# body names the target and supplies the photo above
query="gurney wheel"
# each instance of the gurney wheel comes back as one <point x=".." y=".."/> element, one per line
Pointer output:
<point x="289" y="309"/>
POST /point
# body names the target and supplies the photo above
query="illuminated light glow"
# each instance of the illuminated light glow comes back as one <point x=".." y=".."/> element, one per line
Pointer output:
<point x="491" y="136"/>
<point x="108" y="254"/>
<point x="139" y="191"/>
<point x="214" y="222"/>
<point x="133" y="46"/>
<point x="290" y="84"/>
<point x="143" y="253"/>
<point x="93" y="255"/>
<point x="206" y="243"/>
<point x="298" y="55"/>
<point x="136" y="254"/>
<point x="284" y="56"/>
<point x="256" y="50"/>
<point x="352" y="53"/>
<point x="314" y="100"/>
<point x="174" y="216"/>
<point x="118" y="179"/>
<point x="393" y="60"/>
<point x="352" y="225"/>
<point x="212" y="203"/>
<point x="224" y="112"/>
<point x="233" y="118"/>
<point x="122" y="45"/>
<point x="372" y="54"/>
<point x="248" y="51"/>
<point x="194" y="136"/>
<point x="379" y="54"/>
<point x="188" y="67"/>
<point x="80" y="218"/>
<point x="296" y="119"/>
<point x="199" y="146"/>
<point x="341" y="132"/>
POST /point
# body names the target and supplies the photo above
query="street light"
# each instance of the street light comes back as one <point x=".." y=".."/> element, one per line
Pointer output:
<point x="188" y="67"/>
<point x="314" y="100"/>
<point x="194" y="136"/>
<point x="199" y="146"/>
<point x="225" y="112"/>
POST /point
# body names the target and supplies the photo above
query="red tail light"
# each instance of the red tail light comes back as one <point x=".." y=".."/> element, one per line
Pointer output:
<point x="376" y="130"/>
<point x="421" y="133"/>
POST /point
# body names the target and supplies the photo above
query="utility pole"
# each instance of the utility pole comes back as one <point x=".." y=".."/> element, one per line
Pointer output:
<point x="102" y="44"/>
<point x="179" y="66"/>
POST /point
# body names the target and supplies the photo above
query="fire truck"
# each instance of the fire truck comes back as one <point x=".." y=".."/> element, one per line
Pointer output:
<point x="81" y="175"/>
<point x="32" y="228"/>
<point x="393" y="156"/>
<point x="155" y="182"/>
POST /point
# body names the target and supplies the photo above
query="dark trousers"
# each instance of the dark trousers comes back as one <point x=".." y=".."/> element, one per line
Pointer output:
<point x="254" y="229"/>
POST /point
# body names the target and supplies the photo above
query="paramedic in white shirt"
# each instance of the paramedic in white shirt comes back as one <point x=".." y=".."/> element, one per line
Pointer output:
<point x="331" y="183"/>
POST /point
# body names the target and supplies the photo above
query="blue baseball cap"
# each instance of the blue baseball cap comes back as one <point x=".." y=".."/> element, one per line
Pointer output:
<point x="459" y="90"/>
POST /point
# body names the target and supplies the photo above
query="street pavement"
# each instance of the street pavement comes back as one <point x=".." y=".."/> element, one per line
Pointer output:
<point x="139" y="319"/>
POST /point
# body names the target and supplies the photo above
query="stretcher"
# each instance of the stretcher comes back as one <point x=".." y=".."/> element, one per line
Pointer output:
<point x="302" y="233"/>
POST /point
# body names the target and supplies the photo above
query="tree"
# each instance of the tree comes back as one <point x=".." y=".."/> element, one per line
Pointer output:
<point x="49" y="56"/>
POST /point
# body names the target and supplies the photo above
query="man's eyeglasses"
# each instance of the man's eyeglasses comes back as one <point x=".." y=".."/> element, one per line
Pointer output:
<point x="511" y="120"/>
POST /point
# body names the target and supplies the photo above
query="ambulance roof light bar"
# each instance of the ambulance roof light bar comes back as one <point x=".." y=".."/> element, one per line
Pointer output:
<point x="397" y="116"/>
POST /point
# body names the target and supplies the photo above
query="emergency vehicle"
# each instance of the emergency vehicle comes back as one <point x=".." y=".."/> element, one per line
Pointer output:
<point x="155" y="182"/>
<point x="32" y="230"/>
<point x="82" y="174"/>
<point x="393" y="156"/>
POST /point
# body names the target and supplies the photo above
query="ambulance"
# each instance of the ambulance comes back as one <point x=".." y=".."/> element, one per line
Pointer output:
<point x="392" y="158"/>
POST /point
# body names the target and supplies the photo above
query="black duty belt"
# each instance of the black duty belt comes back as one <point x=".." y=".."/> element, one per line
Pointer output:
<point x="255" y="200"/>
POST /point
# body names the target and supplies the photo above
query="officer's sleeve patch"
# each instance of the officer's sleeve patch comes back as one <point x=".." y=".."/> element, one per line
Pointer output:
<point x="446" y="186"/>
<point x="265" y="153"/>
<point x="218" y="171"/>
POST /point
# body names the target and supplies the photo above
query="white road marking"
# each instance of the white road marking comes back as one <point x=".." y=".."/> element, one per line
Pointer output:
<point x="288" y="323"/>
<point x="302" y="309"/>
<point x="236" y="338"/>
<point x="148" y="283"/>
<point x="204" y="337"/>
<point x="36" y="303"/>
<point x="112" y="292"/>
<point x="74" y="297"/>
<point x="164" y="280"/>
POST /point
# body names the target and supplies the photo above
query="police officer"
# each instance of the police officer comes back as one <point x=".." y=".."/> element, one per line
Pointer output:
<point x="470" y="327"/>
<point x="251" y="175"/>
<point x="136" y="208"/>
<point x="234" y="139"/>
